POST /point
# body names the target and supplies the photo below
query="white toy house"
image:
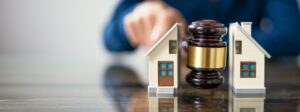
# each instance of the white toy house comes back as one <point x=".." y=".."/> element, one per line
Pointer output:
<point x="246" y="60"/>
<point x="163" y="63"/>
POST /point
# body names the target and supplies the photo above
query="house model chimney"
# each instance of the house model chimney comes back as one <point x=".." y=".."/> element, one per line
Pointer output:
<point x="247" y="27"/>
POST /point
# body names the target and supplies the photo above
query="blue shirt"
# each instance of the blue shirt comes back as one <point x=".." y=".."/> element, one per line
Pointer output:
<point x="275" y="23"/>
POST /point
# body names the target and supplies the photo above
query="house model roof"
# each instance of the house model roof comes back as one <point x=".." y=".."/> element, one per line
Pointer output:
<point x="236" y="24"/>
<point x="161" y="39"/>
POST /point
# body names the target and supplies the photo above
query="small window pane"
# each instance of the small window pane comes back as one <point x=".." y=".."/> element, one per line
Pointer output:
<point x="173" y="50"/>
<point x="252" y="66"/>
<point x="252" y="74"/>
<point x="248" y="70"/>
<point x="238" y="47"/>
<point x="244" y="66"/>
<point x="170" y="65"/>
<point x="238" y="43"/>
<point x="173" y="43"/>
<point x="172" y="46"/>
<point x="245" y="74"/>
<point x="162" y="65"/>
<point x="170" y="72"/>
<point x="163" y="73"/>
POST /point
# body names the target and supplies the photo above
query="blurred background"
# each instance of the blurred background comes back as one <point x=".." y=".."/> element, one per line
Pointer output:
<point x="55" y="41"/>
<point x="52" y="55"/>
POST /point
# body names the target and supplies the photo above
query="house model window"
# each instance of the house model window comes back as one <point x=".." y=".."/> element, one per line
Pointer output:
<point x="238" y="47"/>
<point x="166" y="68"/>
<point x="248" y="69"/>
<point x="172" y="46"/>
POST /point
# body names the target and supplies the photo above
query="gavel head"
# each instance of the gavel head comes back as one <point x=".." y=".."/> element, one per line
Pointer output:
<point x="206" y="54"/>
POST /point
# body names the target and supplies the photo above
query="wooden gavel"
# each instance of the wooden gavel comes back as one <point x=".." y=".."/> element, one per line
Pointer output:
<point x="206" y="54"/>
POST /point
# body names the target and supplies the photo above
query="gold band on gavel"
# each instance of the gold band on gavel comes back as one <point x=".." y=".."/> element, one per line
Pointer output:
<point x="206" y="57"/>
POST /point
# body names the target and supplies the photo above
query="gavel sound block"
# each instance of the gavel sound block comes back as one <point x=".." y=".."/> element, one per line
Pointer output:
<point x="206" y="54"/>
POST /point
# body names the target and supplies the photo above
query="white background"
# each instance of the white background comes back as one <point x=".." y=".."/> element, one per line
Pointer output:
<point x="56" y="41"/>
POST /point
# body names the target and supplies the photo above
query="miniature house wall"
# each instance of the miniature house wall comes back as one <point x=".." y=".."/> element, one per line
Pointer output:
<point x="163" y="63"/>
<point x="246" y="60"/>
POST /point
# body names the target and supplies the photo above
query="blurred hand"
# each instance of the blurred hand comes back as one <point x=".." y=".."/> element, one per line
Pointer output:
<point x="149" y="21"/>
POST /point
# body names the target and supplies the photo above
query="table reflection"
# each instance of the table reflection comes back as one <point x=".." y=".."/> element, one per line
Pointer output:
<point x="163" y="103"/>
<point x="187" y="101"/>
<point x="246" y="103"/>
<point x="128" y="93"/>
<point x="125" y="89"/>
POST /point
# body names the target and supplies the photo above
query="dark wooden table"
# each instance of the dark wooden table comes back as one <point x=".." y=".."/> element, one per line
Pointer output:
<point x="121" y="90"/>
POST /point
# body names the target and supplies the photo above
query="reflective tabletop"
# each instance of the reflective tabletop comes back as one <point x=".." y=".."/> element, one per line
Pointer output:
<point x="120" y="89"/>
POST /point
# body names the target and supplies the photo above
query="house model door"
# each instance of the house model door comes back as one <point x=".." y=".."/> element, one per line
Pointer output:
<point x="165" y="73"/>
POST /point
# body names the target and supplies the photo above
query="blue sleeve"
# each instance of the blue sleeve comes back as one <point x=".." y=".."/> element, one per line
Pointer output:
<point x="278" y="32"/>
<point x="115" y="39"/>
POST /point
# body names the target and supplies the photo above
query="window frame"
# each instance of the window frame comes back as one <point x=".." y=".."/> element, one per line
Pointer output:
<point x="238" y="48"/>
<point x="247" y="70"/>
<point x="171" y="47"/>
<point x="165" y="69"/>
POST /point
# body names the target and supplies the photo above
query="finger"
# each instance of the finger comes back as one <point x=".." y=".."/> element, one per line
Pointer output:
<point x="148" y="22"/>
<point x="138" y="27"/>
<point x="162" y="25"/>
<point x="180" y="19"/>
<point x="129" y="30"/>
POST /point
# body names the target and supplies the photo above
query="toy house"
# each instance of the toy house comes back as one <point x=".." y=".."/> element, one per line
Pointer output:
<point x="246" y="60"/>
<point x="163" y="63"/>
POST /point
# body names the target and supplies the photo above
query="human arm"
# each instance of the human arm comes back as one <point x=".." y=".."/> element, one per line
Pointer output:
<point x="142" y="25"/>
<point x="114" y="37"/>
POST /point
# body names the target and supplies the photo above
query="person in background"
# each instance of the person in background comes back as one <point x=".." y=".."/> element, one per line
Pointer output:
<point x="276" y="23"/>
